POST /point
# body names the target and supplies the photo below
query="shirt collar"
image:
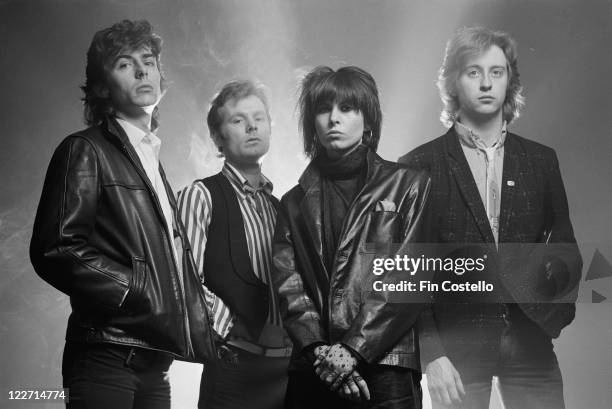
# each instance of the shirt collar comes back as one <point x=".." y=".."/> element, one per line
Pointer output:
<point x="137" y="135"/>
<point x="239" y="181"/>
<point x="470" y="139"/>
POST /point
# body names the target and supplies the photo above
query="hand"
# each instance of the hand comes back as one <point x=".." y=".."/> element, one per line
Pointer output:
<point x="355" y="388"/>
<point x="321" y="350"/>
<point x="444" y="382"/>
<point x="335" y="365"/>
<point x="552" y="277"/>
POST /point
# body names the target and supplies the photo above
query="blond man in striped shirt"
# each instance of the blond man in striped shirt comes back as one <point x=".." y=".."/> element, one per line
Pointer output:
<point x="230" y="219"/>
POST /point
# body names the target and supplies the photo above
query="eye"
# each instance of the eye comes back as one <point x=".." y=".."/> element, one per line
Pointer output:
<point x="473" y="73"/>
<point x="123" y="64"/>
<point x="322" y="108"/>
<point x="236" y="120"/>
<point x="347" y="108"/>
<point x="149" y="63"/>
<point x="498" y="73"/>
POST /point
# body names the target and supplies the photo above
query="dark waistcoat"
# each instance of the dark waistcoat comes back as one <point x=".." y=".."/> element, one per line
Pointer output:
<point x="228" y="270"/>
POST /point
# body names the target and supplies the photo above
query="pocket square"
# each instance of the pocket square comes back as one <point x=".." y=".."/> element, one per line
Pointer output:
<point x="385" y="206"/>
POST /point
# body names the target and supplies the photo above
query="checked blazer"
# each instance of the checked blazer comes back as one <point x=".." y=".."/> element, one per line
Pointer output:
<point x="535" y="235"/>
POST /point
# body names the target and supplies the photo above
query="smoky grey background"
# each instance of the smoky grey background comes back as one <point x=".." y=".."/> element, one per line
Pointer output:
<point x="565" y="60"/>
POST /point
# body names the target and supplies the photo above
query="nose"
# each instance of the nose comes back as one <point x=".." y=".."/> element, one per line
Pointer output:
<point x="251" y="126"/>
<point x="485" y="83"/>
<point x="334" y="115"/>
<point x="140" y="71"/>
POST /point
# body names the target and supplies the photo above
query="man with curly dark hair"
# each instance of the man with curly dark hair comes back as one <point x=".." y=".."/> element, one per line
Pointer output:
<point x="107" y="235"/>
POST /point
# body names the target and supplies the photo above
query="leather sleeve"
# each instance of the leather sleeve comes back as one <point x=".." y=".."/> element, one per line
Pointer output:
<point x="430" y="345"/>
<point x="380" y="322"/>
<point x="300" y="315"/>
<point x="60" y="248"/>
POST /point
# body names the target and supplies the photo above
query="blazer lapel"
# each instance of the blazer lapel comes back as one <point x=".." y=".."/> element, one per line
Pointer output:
<point x="510" y="183"/>
<point x="467" y="186"/>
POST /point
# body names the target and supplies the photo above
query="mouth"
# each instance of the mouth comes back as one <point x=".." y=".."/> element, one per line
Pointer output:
<point x="144" y="88"/>
<point x="334" y="134"/>
<point x="486" y="98"/>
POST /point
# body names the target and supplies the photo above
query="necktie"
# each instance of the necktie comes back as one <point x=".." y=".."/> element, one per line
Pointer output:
<point x="492" y="196"/>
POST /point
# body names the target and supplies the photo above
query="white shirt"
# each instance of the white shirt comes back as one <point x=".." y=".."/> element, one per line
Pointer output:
<point x="147" y="147"/>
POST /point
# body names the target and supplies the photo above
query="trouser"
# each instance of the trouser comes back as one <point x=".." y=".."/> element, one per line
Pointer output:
<point x="246" y="381"/>
<point x="523" y="359"/>
<point x="390" y="387"/>
<point x="109" y="376"/>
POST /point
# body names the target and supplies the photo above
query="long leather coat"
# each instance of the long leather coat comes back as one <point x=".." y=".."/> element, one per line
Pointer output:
<point x="100" y="236"/>
<point x="336" y="306"/>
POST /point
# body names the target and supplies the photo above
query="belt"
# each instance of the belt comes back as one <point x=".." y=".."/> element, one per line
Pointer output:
<point x="282" y="352"/>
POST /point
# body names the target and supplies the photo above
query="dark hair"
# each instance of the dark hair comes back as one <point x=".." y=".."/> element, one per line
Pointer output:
<point x="350" y="85"/>
<point x="234" y="90"/>
<point x="105" y="46"/>
<point x="468" y="42"/>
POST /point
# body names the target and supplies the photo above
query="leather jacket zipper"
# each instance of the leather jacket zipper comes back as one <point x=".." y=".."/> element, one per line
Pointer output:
<point x="330" y="295"/>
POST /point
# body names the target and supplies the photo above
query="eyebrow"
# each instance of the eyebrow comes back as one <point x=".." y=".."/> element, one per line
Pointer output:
<point x="244" y="114"/>
<point x="129" y="57"/>
<point x="480" y="66"/>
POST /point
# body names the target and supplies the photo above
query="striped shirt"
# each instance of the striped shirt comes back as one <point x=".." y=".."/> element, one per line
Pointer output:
<point x="259" y="215"/>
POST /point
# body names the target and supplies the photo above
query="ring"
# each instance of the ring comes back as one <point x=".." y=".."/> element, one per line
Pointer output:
<point x="340" y="377"/>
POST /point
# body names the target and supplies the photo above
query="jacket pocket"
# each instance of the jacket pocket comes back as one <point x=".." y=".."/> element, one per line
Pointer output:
<point x="134" y="298"/>
<point x="384" y="227"/>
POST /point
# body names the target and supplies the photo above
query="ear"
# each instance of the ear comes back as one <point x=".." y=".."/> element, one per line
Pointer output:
<point x="367" y="129"/>
<point x="216" y="138"/>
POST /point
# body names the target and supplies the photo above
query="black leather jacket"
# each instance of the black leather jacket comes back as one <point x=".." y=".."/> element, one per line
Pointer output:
<point x="378" y="330"/>
<point x="100" y="236"/>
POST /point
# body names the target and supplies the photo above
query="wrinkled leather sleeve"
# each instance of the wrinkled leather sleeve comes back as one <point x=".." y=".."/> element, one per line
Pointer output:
<point x="60" y="250"/>
<point x="430" y="344"/>
<point x="380" y="322"/>
<point x="300" y="316"/>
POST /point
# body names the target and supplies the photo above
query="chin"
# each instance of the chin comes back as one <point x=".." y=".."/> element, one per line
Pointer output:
<point x="255" y="156"/>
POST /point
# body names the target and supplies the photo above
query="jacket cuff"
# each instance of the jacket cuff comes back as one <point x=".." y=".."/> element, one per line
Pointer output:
<point x="354" y="353"/>
<point x="359" y="347"/>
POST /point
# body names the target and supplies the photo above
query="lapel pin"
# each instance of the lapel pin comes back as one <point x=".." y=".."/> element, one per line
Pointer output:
<point x="510" y="183"/>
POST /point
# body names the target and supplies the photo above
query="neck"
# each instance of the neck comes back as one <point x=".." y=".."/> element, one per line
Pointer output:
<point x="250" y="171"/>
<point x="140" y="119"/>
<point x="487" y="128"/>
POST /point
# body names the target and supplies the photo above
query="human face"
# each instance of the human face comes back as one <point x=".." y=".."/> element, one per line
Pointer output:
<point x="245" y="131"/>
<point x="134" y="82"/>
<point x="482" y="85"/>
<point x="339" y="128"/>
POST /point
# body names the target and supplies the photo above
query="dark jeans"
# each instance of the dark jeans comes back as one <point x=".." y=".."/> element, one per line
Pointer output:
<point x="391" y="387"/>
<point x="108" y="376"/>
<point x="521" y="355"/>
<point x="251" y="382"/>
